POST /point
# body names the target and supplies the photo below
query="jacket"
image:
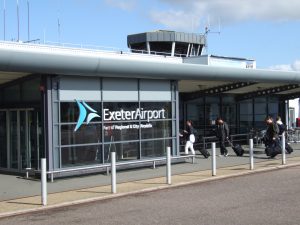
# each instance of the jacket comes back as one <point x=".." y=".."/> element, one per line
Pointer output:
<point x="222" y="131"/>
<point x="272" y="131"/>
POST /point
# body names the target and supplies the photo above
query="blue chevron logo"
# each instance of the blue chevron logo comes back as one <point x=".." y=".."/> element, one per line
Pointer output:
<point x="83" y="115"/>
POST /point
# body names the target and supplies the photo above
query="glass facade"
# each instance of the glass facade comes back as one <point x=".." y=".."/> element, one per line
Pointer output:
<point x="241" y="116"/>
<point x="134" y="129"/>
<point x="21" y="129"/>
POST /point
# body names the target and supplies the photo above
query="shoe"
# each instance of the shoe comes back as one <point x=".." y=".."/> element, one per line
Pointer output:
<point x="226" y="154"/>
<point x="221" y="156"/>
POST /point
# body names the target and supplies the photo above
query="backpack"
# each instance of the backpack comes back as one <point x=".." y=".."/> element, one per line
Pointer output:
<point x="282" y="128"/>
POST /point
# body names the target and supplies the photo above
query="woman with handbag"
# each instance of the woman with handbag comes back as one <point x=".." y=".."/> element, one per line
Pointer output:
<point x="190" y="138"/>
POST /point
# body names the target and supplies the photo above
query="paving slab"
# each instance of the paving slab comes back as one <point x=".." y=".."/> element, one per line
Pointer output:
<point x="84" y="195"/>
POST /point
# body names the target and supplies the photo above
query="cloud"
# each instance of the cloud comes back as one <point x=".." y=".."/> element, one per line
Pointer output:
<point x="295" y="66"/>
<point x="123" y="5"/>
<point x="179" y="12"/>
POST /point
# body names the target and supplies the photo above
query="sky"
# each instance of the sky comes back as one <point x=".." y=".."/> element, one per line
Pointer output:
<point x="265" y="30"/>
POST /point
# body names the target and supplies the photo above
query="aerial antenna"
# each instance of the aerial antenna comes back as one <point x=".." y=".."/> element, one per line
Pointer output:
<point x="28" y="19"/>
<point x="209" y="31"/>
<point x="4" y="20"/>
<point x="18" y="19"/>
<point x="58" y="22"/>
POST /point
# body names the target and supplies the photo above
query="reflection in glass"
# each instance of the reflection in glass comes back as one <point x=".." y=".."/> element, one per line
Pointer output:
<point x="158" y="106"/>
<point x="158" y="129"/>
<point x="155" y="148"/>
<point x="81" y="155"/>
<point x="85" y="134"/>
<point x="70" y="111"/>
<point x="124" y="151"/>
<point x="121" y="131"/>
<point x="13" y="140"/>
<point x="23" y="137"/>
<point x="3" y="140"/>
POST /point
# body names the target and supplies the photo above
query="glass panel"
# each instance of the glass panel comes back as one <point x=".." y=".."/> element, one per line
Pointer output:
<point x="12" y="94"/>
<point x="3" y="140"/>
<point x="260" y="108"/>
<point x="30" y="90"/>
<point x="154" y="148"/>
<point x="85" y="134"/>
<point x="158" y="129"/>
<point x="117" y="89"/>
<point x="34" y="138"/>
<point x="158" y="106"/>
<point x="13" y="140"/>
<point x="70" y="111"/>
<point x="273" y="108"/>
<point x="124" y="151"/>
<point x="23" y="137"/>
<point x="81" y="155"/>
<point x="121" y="131"/>
<point x="118" y="111"/>
<point x="246" y="107"/>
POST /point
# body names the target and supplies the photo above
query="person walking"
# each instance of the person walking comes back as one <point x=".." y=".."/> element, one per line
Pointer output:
<point x="222" y="134"/>
<point x="271" y="140"/>
<point x="271" y="136"/>
<point x="190" y="137"/>
<point x="282" y="131"/>
<point x="281" y="126"/>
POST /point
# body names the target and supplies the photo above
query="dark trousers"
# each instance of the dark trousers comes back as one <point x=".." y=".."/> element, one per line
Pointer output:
<point x="223" y="149"/>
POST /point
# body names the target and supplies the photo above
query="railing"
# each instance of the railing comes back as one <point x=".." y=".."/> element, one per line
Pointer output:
<point x="233" y="138"/>
<point x="110" y="49"/>
<point x="293" y="135"/>
<point x="107" y="166"/>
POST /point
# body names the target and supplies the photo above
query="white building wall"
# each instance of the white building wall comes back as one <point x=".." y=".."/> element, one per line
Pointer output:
<point x="293" y="104"/>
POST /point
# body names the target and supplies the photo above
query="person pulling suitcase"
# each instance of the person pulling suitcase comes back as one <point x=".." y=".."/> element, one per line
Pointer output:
<point x="222" y="133"/>
<point x="190" y="137"/>
<point x="271" y="138"/>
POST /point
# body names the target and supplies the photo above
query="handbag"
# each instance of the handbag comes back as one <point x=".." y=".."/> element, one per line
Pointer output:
<point x="192" y="138"/>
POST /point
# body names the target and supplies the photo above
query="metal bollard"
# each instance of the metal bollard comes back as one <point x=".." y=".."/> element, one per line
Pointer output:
<point x="251" y="154"/>
<point x="154" y="165"/>
<point x="113" y="173"/>
<point x="283" y="149"/>
<point x="168" y="165"/>
<point x="44" y="181"/>
<point x="213" y="159"/>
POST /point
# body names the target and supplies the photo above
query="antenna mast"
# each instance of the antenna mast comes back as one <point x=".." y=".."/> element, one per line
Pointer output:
<point x="4" y="25"/>
<point x="18" y="19"/>
<point x="28" y="20"/>
<point x="208" y="31"/>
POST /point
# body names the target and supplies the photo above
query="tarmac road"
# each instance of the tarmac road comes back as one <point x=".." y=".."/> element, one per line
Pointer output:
<point x="263" y="198"/>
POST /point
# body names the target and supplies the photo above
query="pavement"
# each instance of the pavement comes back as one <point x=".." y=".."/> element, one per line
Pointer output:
<point x="19" y="196"/>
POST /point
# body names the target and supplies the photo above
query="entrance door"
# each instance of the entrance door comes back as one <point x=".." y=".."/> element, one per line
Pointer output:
<point x="23" y="139"/>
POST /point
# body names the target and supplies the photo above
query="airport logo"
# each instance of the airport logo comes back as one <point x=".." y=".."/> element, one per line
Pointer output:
<point x="84" y="115"/>
<point x="87" y="114"/>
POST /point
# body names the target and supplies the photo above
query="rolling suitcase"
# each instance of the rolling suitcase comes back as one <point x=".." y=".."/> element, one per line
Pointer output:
<point x="204" y="152"/>
<point x="238" y="150"/>
<point x="273" y="150"/>
<point x="288" y="148"/>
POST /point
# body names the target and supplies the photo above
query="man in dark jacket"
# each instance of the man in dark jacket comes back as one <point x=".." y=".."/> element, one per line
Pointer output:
<point x="271" y="136"/>
<point x="222" y="133"/>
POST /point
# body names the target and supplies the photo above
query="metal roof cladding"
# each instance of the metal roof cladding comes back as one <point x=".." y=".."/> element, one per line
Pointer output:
<point x="34" y="58"/>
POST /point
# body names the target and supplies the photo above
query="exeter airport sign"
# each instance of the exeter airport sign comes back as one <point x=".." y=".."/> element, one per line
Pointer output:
<point x="87" y="113"/>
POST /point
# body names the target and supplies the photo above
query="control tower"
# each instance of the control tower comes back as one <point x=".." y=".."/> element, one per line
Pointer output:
<point x="169" y="43"/>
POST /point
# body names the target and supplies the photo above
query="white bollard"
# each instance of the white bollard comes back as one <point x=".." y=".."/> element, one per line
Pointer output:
<point x="169" y="165"/>
<point x="251" y="154"/>
<point x="283" y="149"/>
<point x="44" y="181"/>
<point x="214" y="167"/>
<point x="113" y="173"/>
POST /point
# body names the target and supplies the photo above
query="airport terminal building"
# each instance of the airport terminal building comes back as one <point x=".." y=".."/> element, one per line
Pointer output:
<point x="76" y="105"/>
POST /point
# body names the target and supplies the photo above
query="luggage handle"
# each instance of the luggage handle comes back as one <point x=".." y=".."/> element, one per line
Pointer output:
<point x="231" y="144"/>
